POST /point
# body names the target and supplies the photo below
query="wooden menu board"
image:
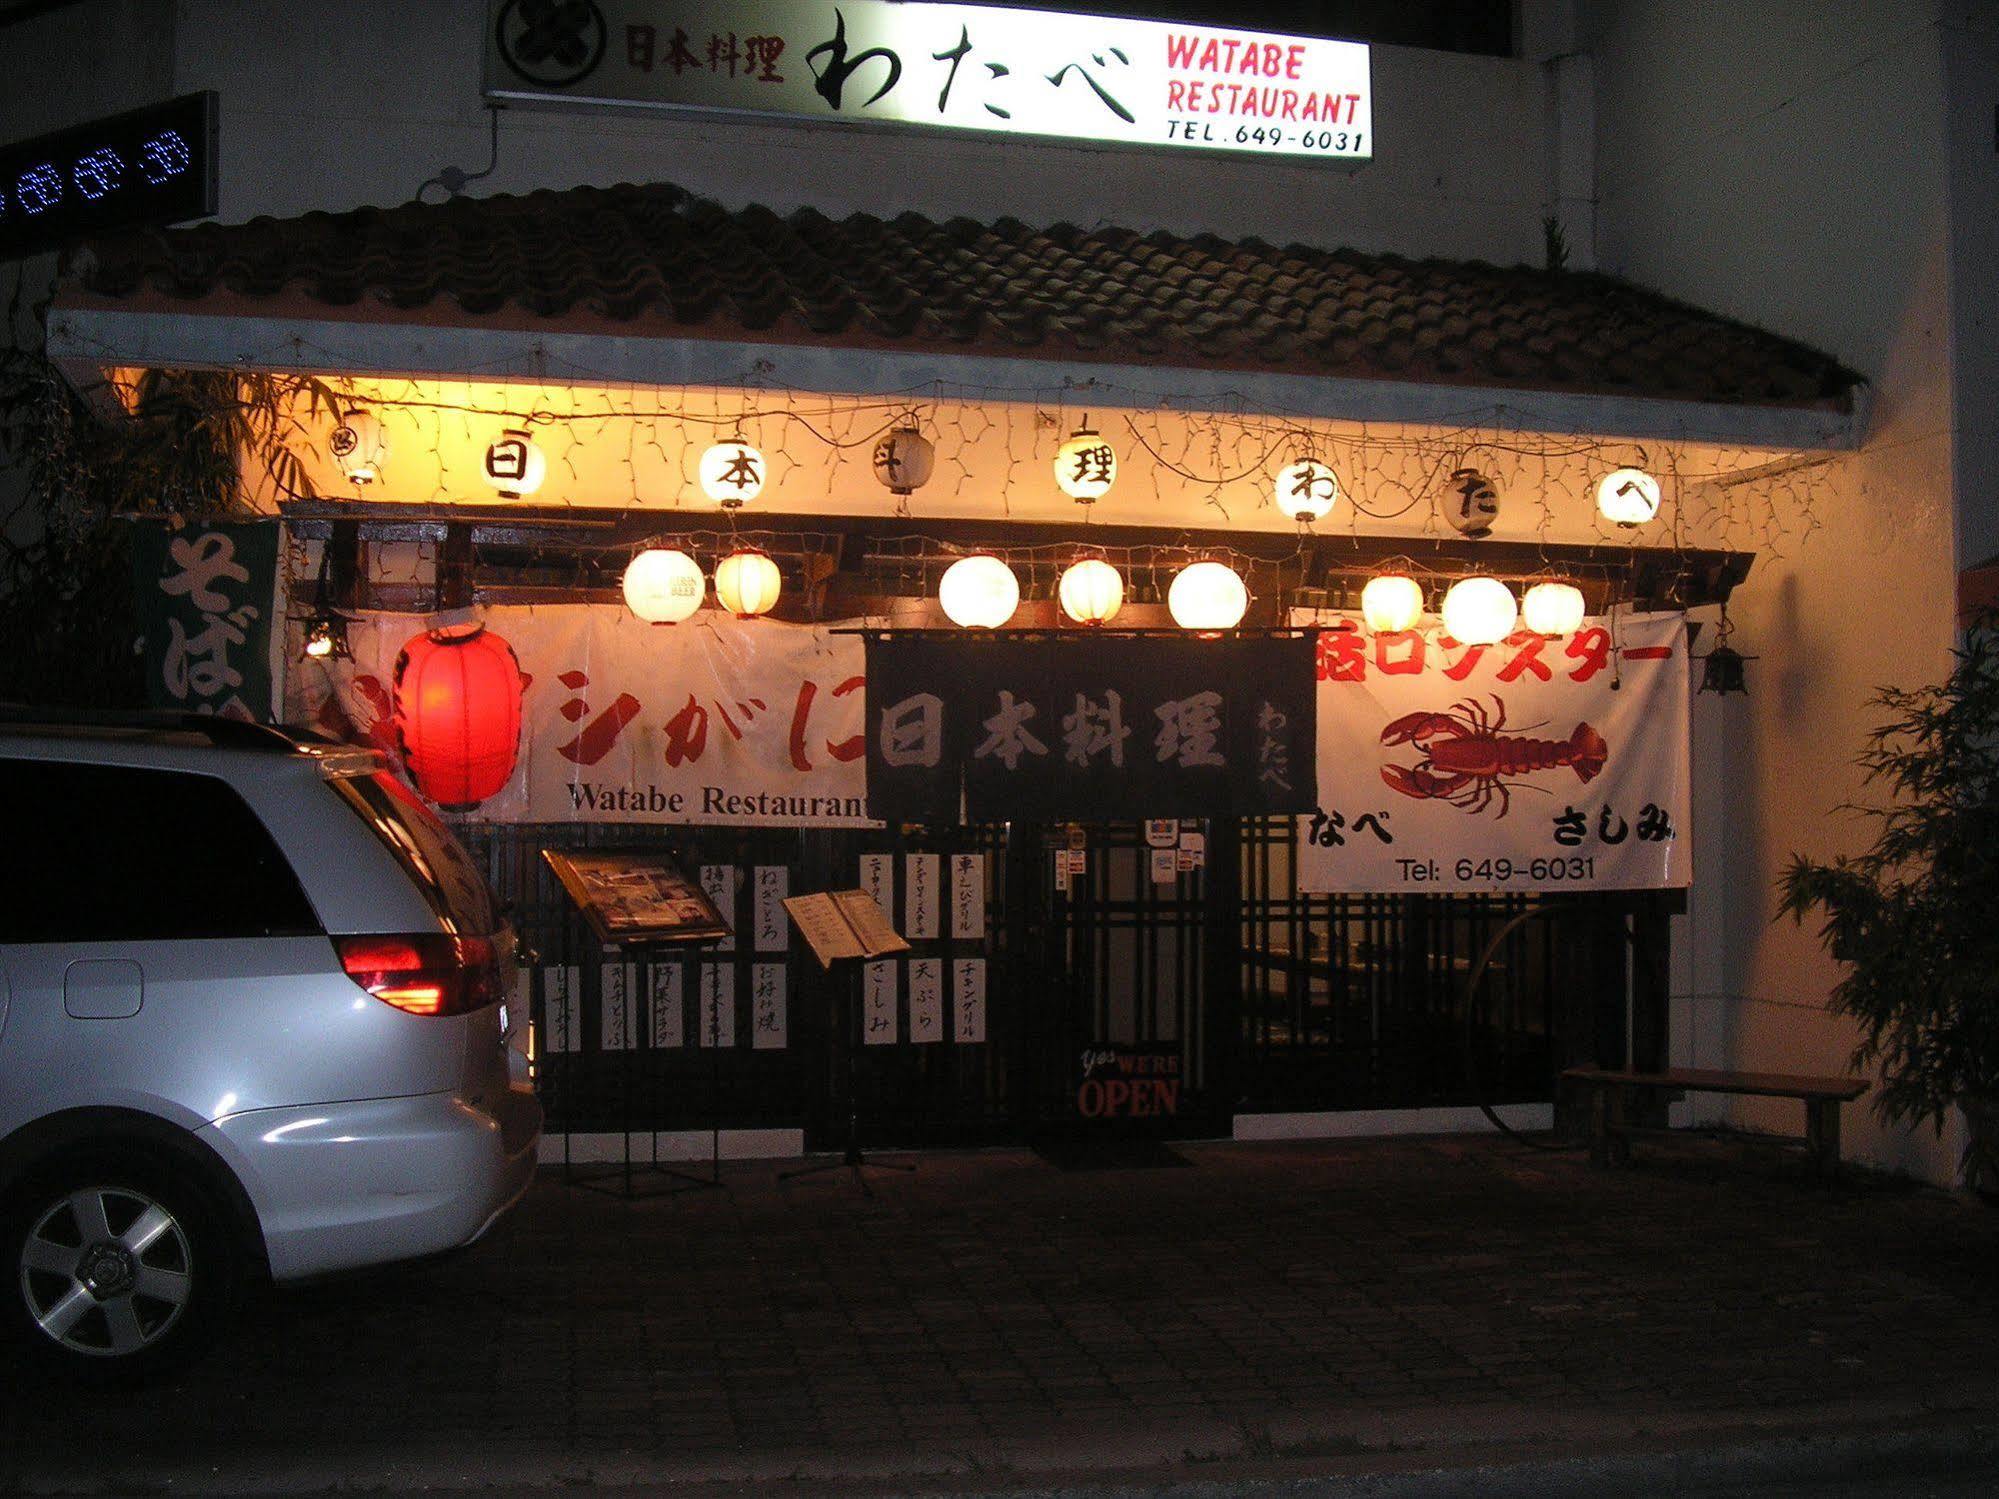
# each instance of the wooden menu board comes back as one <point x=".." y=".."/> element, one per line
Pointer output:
<point x="636" y="895"/>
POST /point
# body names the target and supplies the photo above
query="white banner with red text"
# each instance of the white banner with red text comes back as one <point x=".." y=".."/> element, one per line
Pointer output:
<point x="751" y="723"/>
<point x="1534" y="764"/>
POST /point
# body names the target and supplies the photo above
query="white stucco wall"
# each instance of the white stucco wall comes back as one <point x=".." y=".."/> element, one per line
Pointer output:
<point x="1785" y="163"/>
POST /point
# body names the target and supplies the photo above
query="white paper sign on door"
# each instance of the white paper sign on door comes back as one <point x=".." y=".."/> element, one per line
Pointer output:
<point x="968" y="896"/>
<point x="876" y="879"/>
<point x="718" y="1004"/>
<point x="773" y="885"/>
<point x="767" y="1007"/>
<point x="921" y="875"/>
<point x="878" y="1027"/>
<point x="719" y="881"/>
<point x="926" y="1000"/>
<point x="562" y="1025"/>
<point x="617" y="982"/>
<point x="668" y="1025"/>
<point x="968" y="1000"/>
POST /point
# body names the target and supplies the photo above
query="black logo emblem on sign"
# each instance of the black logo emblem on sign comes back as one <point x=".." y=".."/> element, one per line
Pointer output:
<point x="552" y="43"/>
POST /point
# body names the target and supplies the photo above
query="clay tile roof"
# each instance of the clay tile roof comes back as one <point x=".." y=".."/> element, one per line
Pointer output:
<point x="654" y="260"/>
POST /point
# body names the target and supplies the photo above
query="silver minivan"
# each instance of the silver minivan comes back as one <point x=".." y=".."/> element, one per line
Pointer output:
<point x="254" y="1019"/>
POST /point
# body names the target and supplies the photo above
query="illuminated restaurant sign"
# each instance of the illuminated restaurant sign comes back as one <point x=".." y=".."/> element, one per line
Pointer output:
<point x="961" y="67"/>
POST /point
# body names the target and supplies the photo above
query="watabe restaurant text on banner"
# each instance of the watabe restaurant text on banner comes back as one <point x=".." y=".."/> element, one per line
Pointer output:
<point x="956" y="67"/>
<point x="1534" y="764"/>
<point x="1089" y="728"/>
<point x="750" y="723"/>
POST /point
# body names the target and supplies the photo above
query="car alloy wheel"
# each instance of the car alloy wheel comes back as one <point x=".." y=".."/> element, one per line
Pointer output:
<point x="106" y="1272"/>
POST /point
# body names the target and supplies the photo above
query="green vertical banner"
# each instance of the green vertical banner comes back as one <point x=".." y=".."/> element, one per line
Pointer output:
<point x="206" y="592"/>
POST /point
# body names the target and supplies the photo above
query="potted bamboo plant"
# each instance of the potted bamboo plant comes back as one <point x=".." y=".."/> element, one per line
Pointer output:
<point x="1915" y="917"/>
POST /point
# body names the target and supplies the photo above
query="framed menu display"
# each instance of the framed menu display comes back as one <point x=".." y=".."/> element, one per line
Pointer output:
<point x="636" y="895"/>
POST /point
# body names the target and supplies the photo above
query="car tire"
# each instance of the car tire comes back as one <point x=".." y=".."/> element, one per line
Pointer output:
<point x="117" y="1266"/>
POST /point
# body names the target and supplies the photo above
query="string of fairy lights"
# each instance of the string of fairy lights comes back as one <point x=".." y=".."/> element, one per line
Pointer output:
<point x="1440" y="484"/>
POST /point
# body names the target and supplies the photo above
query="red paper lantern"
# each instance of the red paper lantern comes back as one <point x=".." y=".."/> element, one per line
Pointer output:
<point x="458" y="714"/>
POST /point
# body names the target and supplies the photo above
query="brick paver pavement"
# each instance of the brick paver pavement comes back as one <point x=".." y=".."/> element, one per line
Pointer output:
<point x="992" y="1314"/>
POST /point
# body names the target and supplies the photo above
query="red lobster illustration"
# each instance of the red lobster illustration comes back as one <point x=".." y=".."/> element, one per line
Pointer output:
<point x="1466" y="760"/>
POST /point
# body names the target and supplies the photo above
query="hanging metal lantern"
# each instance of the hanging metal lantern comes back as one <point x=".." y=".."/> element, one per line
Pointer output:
<point x="904" y="460"/>
<point x="1091" y="591"/>
<point x="1627" y="496"/>
<point x="325" y="637"/>
<point x="1552" y="608"/>
<point x="1471" y="504"/>
<point x="1391" y="603"/>
<point x="1086" y="465"/>
<point x="458" y="714"/>
<point x="747" y="583"/>
<point x="1480" y="611"/>
<point x="733" y="473"/>
<point x="979" y="592"/>
<point x="1207" y="596"/>
<point x="1721" y="668"/>
<point x="359" y="446"/>
<point x="515" y="464"/>
<point x="663" y="587"/>
<point x="1307" y="490"/>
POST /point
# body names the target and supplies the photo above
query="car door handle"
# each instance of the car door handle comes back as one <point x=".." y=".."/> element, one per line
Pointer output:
<point x="103" y="989"/>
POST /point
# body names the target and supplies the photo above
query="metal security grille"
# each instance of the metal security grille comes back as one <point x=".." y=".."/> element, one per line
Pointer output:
<point x="1272" y="1000"/>
<point x="1361" y="1001"/>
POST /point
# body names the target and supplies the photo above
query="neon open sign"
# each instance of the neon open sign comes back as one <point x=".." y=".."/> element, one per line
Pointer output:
<point x="151" y="166"/>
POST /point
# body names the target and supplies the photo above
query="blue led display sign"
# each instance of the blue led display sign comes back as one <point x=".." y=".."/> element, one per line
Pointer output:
<point x="150" y="166"/>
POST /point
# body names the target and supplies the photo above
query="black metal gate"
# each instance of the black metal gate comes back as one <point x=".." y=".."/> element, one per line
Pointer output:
<point x="1264" y="999"/>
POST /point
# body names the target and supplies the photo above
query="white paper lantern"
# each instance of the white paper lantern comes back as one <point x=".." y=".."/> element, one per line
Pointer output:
<point x="1627" y="496"/>
<point x="747" y="583"/>
<point x="1086" y="465"/>
<point x="904" y="459"/>
<point x="1480" y="611"/>
<point x="1552" y="608"/>
<point x="979" y="593"/>
<point x="663" y="587"/>
<point x="514" y="464"/>
<point x="1471" y="504"/>
<point x="1391" y="602"/>
<point x="1091" y="591"/>
<point x="1307" y="490"/>
<point x="733" y="472"/>
<point x="359" y="446"/>
<point x="1207" y="596"/>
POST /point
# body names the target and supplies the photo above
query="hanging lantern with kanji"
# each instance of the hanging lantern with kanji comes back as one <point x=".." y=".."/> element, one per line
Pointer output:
<point x="359" y="446"/>
<point x="1086" y="466"/>
<point x="1627" y="496"/>
<point x="515" y="464"/>
<point x="1306" y="490"/>
<point x="904" y="460"/>
<point x="733" y="473"/>
<point x="1471" y="504"/>
<point x="458" y="714"/>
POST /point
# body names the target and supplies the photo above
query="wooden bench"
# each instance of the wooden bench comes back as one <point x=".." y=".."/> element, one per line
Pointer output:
<point x="1608" y="1092"/>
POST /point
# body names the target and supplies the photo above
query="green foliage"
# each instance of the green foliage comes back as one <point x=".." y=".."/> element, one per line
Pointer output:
<point x="73" y="474"/>
<point x="1914" y="918"/>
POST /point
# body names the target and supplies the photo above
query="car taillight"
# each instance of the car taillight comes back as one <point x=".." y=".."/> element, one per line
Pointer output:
<point x="424" y="974"/>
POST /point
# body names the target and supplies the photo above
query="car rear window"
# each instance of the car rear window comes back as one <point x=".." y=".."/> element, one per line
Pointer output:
<point x="425" y="847"/>
<point x="117" y="853"/>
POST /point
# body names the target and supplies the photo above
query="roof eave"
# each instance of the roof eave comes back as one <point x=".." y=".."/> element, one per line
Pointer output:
<point x="88" y="335"/>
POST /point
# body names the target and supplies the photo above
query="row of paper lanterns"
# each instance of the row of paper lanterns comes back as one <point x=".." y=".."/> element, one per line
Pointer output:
<point x="665" y="586"/>
<point x="733" y="472"/>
